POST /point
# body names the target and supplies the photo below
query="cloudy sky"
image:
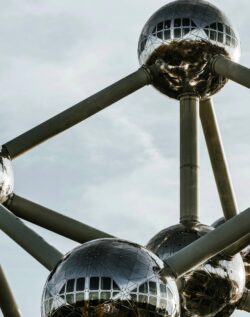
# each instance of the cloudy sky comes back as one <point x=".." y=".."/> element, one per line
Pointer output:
<point x="119" y="170"/>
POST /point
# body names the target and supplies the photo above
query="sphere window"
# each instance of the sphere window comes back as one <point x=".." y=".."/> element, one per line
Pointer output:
<point x="160" y="26"/>
<point x="152" y="288"/>
<point x="186" y="22"/>
<point x="80" y="284"/>
<point x="106" y="283"/>
<point x="79" y="297"/>
<point x="70" y="298"/>
<point x="163" y="289"/>
<point x="167" y="24"/>
<point x="115" y="286"/>
<point x="167" y="34"/>
<point x="70" y="286"/>
<point x="105" y="295"/>
<point x="160" y="35"/>
<point x="177" y="23"/>
<point x="220" y="37"/>
<point x="143" y="288"/>
<point x="177" y="33"/>
<point x="94" y="283"/>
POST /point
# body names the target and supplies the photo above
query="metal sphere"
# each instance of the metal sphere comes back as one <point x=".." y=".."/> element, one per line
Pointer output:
<point x="109" y="277"/>
<point x="6" y="178"/>
<point x="244" y="253"/>
<point x="211" y="288"/>
<point x="181" y="38"/>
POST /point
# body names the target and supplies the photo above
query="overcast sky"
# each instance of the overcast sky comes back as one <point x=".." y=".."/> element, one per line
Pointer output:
<point x="119" y="170"/>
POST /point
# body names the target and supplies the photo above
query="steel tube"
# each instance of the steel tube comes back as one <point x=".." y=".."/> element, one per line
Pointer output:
<point x="79" y="112"/>
<point x="53" y="221"/>
<point x="7" y="301"/>
<point x="208" y="245"/>
<point x="245" y="302"/>
<point x="231" y="70"/>
<point x="238" y="246"/>
<point x="218" y="159"/>
<point x="189" y="159"/>
<point x="29" y="240"/>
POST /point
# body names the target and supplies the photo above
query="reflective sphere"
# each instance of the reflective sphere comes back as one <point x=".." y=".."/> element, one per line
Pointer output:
<point x="109" y="277"/>
<point x="211" y="288"/>
<point x="6" y="178"/>
<point x="181" y="38"/>
<point x="245" y="253"/>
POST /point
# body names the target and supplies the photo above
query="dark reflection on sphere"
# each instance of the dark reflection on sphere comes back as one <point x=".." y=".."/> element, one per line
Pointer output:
<point x="109" y="277"/>
<point x="182" y="37"/>
<point x="211" y="288"/>
<point x="245" y="253"/>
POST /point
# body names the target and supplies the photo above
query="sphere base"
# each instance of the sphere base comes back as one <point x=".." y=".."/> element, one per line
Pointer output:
<point x="185" y="68"/>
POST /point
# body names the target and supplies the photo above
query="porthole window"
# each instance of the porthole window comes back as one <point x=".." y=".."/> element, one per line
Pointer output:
<point x="94" y="283"/>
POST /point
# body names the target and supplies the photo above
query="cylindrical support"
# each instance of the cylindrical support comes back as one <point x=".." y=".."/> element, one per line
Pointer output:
<point x="53" y="221"/>
<point x="79" y="112"/>
<point x="238" y="246"/>
<point x="189" y="159"/>
<point x="231" y="70"/>
<point x="218" y="159"/>
<point x="30" y="241"/>
<point x="208" y="245"/>
<point x="245" y="302"/>
<point x="7" y="301"/>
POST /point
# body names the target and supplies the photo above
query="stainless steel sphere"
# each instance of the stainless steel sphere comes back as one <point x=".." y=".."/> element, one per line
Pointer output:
<point x="209" y="289"/>
<point x="6" y="177"/>
<point x="245" y="253"/>
<point x="109" y="277"/>
<point x="181" y="38"/>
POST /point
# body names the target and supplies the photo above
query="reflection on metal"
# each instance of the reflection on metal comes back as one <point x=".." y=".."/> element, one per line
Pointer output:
<point x="243" y="245"/>
<point x="6" y="178"/>
<point x="246" y="259"/>
<point x="212" y="287"/>
<point x="182" y="37"/>
<point x="109" y="277"/>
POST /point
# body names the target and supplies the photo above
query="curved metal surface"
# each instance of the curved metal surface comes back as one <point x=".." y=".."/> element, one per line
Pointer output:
<point x="245" y="253"/>
<point x="109" y="277"/>
<point x="183" y="36"/>
<point x="6" y="177"/>
<point x="212" y="287"/>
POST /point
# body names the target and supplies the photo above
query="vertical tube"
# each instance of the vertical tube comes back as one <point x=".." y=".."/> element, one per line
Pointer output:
<point x="7" y="301"/>
<point x="218" y="159"/>
<point x="189" y="159"/>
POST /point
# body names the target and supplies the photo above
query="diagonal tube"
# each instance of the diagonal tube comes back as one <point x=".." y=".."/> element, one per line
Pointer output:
<point x="53" y="221"/>
<point x="208" y="245"/>
<point x="189" y="159"/>
<point x="238" y="246"/>
<point x="28" y="239"/>
<point x="8" y="304"/>
<point x="79" y="112"/>
<point x="231" y="70"/>
<point x="218" y="159"/>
